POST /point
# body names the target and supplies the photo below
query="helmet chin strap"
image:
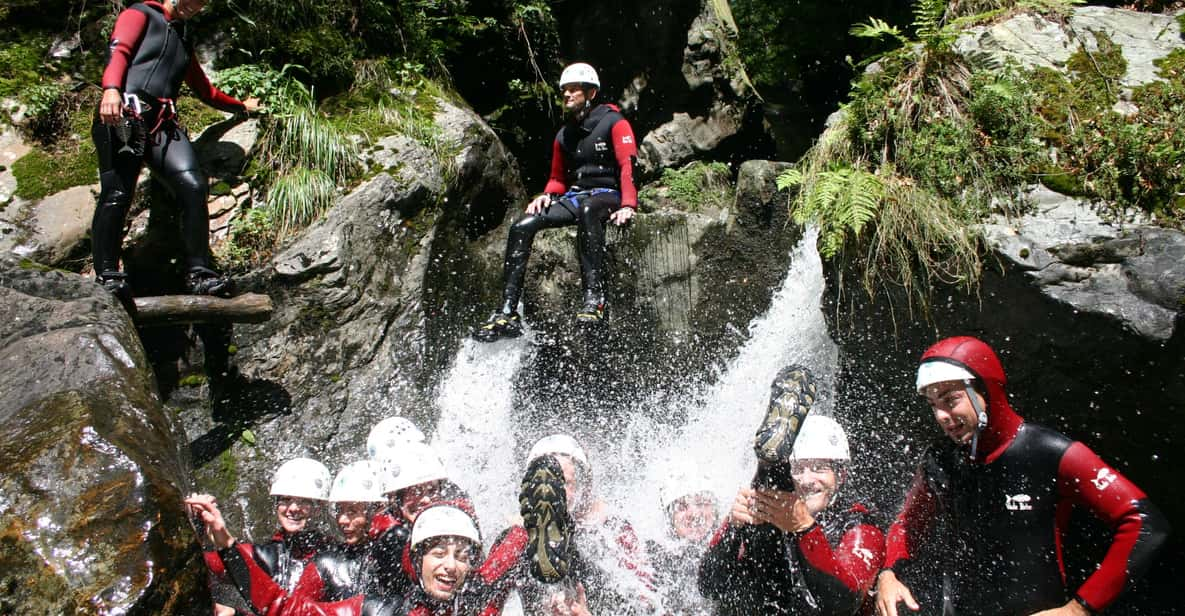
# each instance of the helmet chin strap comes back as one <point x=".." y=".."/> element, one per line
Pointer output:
<point x="980" y="415"/>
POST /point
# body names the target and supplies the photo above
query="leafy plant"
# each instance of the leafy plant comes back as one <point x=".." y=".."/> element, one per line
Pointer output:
<point x="842" y="199"/>
<point x="252" y="235"/>
<point x="279" y="90"/>
<point x="298" y="196"/>
<point x="694" y="186"/>
<point x="307" y="139"/>
<point x="929" y="142"/>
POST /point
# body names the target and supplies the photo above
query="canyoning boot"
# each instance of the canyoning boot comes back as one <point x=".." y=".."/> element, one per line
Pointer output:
<point x="205" y="281"/>
<point x="792" y="394"/>
<point x="116" y="283"/>
<point x="544" y="507"/>
<point x="593" y="310"/>
<point x="500" y="325"/>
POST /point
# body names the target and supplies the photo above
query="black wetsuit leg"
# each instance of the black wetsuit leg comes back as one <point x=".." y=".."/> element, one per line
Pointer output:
<point x="118" y="172"/>
<point x="171" y="155"/>
<point x="518" y="247"/>
<point x="590" y="241"/>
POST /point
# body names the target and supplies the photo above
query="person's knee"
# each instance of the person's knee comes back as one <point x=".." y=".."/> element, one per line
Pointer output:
<point x="189" y="181"/>
<point x="525" y="227"/>
<point x="117" y="198"/>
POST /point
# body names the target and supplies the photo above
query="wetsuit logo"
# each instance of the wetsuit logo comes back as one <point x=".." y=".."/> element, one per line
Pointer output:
<point x="865" y="555"/>
<point x="601" y="146"/>
<point x="627" y="139"/>
<point x="1104" y="479"/>
<point x="1018" y="502"/>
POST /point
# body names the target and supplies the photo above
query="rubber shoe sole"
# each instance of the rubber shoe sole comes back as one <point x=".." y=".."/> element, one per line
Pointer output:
<point x="544" y="507"/>
<point x="792" y="395"/>
<point x="591" y="314"/>
<point x="498" y="327"/>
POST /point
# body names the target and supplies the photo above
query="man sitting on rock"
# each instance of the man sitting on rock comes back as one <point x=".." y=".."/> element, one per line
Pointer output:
<point x="592" y="180"/>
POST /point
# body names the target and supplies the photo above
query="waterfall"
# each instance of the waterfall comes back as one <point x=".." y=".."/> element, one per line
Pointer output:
<point x="476" y="430"/>
<point x="474" y="434"/>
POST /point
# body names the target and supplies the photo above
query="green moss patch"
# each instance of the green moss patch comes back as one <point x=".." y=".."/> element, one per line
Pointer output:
<point x="40" y="173"/>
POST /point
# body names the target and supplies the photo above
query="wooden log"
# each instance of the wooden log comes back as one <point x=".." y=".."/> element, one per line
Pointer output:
<point x="179" y="309"/>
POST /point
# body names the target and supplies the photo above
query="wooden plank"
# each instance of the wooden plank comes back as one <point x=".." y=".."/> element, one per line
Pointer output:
<point x="179" y="309"/>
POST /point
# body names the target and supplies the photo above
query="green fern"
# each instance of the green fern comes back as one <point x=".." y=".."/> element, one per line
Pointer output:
<point x="928" y="18"/>
<point x="842" y="201"/>
<point x="790" y="178"/>
<point x="877" y="29"/>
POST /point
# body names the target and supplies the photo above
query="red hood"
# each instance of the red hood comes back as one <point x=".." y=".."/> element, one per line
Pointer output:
<point x="979" y="359"/>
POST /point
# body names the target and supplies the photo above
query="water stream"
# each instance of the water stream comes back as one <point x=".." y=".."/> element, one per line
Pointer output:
<point x="711" y="448"/>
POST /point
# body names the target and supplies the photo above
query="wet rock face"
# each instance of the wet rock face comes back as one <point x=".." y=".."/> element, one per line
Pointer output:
<point x="1129" y="272"/>
<point x="91" y="466"/>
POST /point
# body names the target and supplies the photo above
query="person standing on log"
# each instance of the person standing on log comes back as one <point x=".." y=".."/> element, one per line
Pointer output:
<point x="150" y="54"/>
<point x="997" y="497"/>
<point x="591" y="182"/>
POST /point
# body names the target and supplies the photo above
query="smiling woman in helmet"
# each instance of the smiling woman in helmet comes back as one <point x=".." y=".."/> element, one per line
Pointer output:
<point x="344" y="570"/>
<point x="299" y="488"/>
<point x="412" y="477"/>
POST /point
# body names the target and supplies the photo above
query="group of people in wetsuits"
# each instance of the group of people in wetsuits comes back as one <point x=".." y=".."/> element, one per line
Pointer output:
<point x="994" y="496"/>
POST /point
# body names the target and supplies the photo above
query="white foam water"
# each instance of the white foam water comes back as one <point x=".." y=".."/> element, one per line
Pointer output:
<point x="710" y="450"/>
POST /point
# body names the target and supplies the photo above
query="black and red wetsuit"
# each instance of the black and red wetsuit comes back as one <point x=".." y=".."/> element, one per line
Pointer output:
<point x="375" y="568"/>
<point x="592" y="176"/>
<point x="150" y="56"/>
<point x="1003" y="514"/>
<point x="280" y="562"/>
<point x="826" y="569"/>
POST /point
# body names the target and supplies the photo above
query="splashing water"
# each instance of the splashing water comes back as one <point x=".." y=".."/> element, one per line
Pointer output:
<point x="712" y="449"/>
<point x="475" y="401"/>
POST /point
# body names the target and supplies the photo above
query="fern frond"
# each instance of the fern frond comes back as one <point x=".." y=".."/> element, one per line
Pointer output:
<point x="877" y="29"/>
<point x="927" y="17"/>
<point x="789" y="178"/>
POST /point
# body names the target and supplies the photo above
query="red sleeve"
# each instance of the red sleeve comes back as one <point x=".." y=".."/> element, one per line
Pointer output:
<point x="302" y="606"/>
<point x="125" y="38"/>
<point x="633" y="558"/>
<point x="912" y="523"/>
<point x="557" y="182"/>
<point x="214" y="563"/>
<point x="855" y="561"/>
<point x="263" y="591"/>
<point x="1139" y="528"/>
<point x="201" y="86"/>
<point x="503" y="556"/>
<point x="625" y="150"/>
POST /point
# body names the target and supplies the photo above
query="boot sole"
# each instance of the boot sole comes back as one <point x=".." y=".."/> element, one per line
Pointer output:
<point x="544" y="508"/>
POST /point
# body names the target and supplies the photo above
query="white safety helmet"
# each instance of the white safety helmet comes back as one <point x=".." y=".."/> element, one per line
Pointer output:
<point x="821" y="438"/>
<point x="409" y="465"/>
<point x="301" y="478"/>
<point x="932" y="372"/>
<point x="580" y="73"/>
<point x="562" y="444"/>
<point x="390" y="433"/>
<point x="357" y="483"/>
<point x="444" y="521"/>
<point x="679" y="485"/>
